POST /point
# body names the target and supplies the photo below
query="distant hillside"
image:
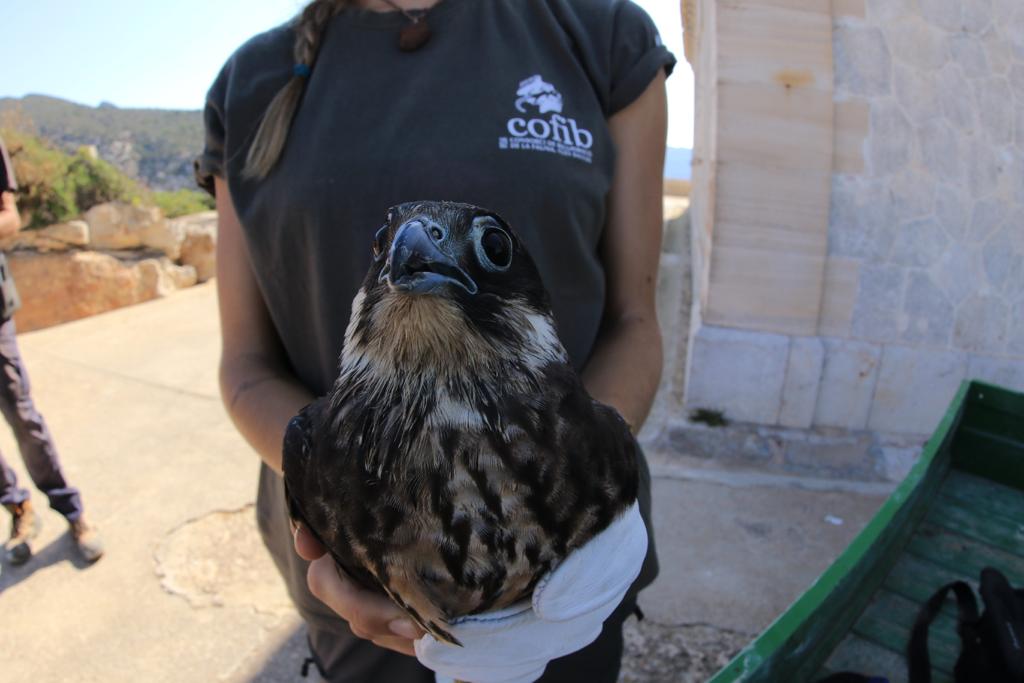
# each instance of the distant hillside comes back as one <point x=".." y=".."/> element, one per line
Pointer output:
<point x="156" y="146"/>
<point x="677" y="163"/>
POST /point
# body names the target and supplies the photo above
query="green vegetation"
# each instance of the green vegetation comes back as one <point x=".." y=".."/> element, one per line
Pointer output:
<point x="56" y="187"/>
<point x="182" y="202"/>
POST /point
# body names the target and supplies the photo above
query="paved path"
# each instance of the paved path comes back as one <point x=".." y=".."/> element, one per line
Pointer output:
<point x="186" y="592"/>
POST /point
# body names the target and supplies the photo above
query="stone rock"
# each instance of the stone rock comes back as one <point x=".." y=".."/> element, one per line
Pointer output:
<point x="70" y="234"/>
<point x="199" y="252"/>
<point x="165" y="236"/>
<point x="878" y="313"/>
<point x="968" y="52"/>
<point x="204" y="221"/>
<point x="803" y="376"/>
<point x="1016" y="81"/>
<point x="993" y="97"/>
<point x="847" y="384"/>
<point x="1003" y="257"/>
<point x="919" y="243"/>
<point x="999" y="53"/>
<point x="862" y="217"/>
<point x="929" y="315"/>
<point x="862" y="62"/>
<point x="59" y="237"/>
<point x="917" y="44"/>
<point x="940" y="151"/>
<point x="917" y="93"/>
<point x="987" y="217"/>
<point x="983" y="169"/>
<point x="958" y="267"/>
<point x="60" y="287"/>
<point x="915" y="386"/>
<point x="954" y="97"/>
<point x="977" y="15"/>
<point x="1019" y="125"/>
<point x="913" y="193"/>
<point x="737" y="372"/>
<point x="889" y="140"/>
<point x="1003" y="10"/>
<point x="981" y="324"/>
<point x="1005" y="372"/>
<point x="942" y="13"/>
<point x="953" y="210"/>
<point x="116" y="225"/>
<point x="160" y="277"/>
<point x="199" y="246"/>
<point x="886" y="11"/>
<point x="845" y="238"/>
<point x="1016" y="333"/>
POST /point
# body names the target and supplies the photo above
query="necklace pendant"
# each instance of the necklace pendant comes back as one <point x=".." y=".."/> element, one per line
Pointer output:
<point x="414" y="36"/>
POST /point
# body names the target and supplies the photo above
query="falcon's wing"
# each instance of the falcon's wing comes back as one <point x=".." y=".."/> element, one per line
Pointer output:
<point x="303" y="488"/>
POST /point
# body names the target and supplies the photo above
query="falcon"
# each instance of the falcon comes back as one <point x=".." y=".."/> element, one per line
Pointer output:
<point x="458" y="457"/>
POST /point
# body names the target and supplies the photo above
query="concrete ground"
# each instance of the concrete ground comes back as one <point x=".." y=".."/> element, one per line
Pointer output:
<point x="186" y="592"/>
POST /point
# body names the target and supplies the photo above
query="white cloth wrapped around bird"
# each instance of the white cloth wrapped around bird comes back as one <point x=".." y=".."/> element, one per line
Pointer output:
<point x="458" y="465"/>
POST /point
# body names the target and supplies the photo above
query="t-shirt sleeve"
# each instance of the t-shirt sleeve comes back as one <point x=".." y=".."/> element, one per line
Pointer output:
<point x="7" y="180"/>
<point x="210" y="162"/>
<point x="637" y="54"/>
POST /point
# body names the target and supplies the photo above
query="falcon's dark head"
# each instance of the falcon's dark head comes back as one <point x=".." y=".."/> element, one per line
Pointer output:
<point x="450" y="283"/>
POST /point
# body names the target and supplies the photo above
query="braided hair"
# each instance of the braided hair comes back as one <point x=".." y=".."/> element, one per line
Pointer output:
<point x="272" y="133"/>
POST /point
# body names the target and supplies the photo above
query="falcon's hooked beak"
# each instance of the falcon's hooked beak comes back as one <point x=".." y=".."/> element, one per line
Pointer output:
<point x="418" y="262"/>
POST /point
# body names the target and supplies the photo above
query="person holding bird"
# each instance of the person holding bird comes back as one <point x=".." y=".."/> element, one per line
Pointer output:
<point x="549" y="113"/>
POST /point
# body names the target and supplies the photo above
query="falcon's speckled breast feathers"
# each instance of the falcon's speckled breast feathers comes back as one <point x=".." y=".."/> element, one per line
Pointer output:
<point x="457" y="457"/>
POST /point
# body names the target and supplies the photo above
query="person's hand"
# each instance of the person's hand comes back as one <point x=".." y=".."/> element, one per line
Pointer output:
<point x="370" y="616"/>
<point x="567" y="613"/>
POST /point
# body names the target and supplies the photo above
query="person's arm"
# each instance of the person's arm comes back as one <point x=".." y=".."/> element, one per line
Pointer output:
<point x="259" y="392"/>
<point x="10" y="220"/>
<point x="625" y="366"/>
<point x="261" y="395"/>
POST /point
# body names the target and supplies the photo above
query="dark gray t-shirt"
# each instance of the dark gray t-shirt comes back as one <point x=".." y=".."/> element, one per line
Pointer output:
<point x="505" y="107"/>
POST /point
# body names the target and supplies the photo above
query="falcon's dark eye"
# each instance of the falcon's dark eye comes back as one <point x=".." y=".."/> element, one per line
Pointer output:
<point x="497" y="249"/>
<point x="378" y="243"/>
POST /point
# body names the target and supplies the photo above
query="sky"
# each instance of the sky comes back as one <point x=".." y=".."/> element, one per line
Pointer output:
<point x="154" y="53"/>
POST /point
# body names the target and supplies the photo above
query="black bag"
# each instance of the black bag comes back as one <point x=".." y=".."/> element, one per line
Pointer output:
<point x="992" y="644"/>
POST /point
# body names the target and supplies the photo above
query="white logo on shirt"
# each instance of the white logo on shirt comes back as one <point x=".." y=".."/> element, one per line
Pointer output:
<point x="556" y="133"/>
<point x="542" y="95"/>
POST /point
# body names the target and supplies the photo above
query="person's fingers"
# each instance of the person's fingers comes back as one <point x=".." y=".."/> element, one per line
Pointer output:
<point x="403" y="645"/>
<point x="370" y="616"/>
<point x="306" y="545"/>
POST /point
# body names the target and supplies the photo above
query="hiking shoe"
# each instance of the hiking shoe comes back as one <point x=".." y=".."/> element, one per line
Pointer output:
<point x="87" y="538"/>
<point x="25" y="525"/>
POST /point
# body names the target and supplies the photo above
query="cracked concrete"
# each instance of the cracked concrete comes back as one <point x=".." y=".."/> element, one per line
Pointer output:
<point x="217" y="560"/>
<point x="186" y="592"/>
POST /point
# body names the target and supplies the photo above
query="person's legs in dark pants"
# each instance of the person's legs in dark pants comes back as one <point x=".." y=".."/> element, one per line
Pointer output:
<point x="36" y="445"/>
<point x="598" y="662"/>
<point x="24" y="522"/>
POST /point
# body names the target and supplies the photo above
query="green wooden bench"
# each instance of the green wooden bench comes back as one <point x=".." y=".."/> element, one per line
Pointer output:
<point x="960" y="509"/>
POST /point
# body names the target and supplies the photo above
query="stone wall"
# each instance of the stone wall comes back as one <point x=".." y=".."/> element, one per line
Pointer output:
<point x="932" y="229"/>
<point x="921" y="247"/>
<point x="118" y="255"/>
